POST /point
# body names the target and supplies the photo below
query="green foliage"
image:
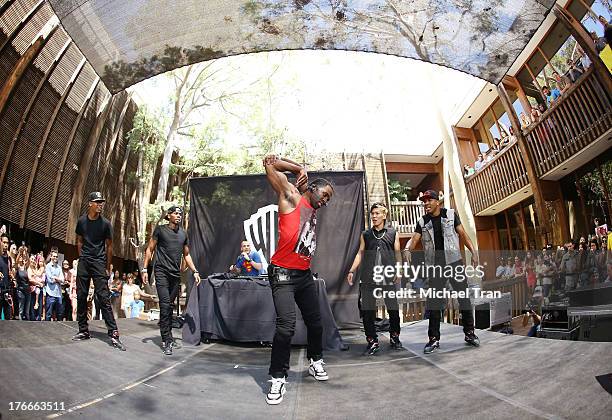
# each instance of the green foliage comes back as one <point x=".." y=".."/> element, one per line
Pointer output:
<point x="399" y="191"/>
<point x="147" y="134"/>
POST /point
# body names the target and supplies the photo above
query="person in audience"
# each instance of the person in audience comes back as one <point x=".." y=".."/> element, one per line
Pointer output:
<point x="600" y="261"/>
<point x="248" y="262"/>
<point x="497" y="146"/>
<point x="551" y="95"/>
<point x="116" y="287"/>
<point x="524" y="120"/>
<point x="531" y="315"/>
<point x="607" y="27"/>
<point x="535" y="115"/>
<point x="54" y="278"/>
<point x="563" y="82"/>
<point x="489" y="156"/>
<point x="586" y="265"/>
<point x="530" y="272"/>
<point x="500" y="272"/>
<point x="549" y="271"/>
<point x="23" y="286"/>
<point x="512" y="136"/>
<point x="5" y="279"/>
<point x="127" y="294"/>
<point x="573" y="71"/>
<point x="569" y="266"/>
<point x="73" y="289"/>
<point x="136" y="306"/>
<point x="66" y="303"/>
<point x="609" y="272"/>
<point x="518" y="269"/>
<point x="600" y="43"/>
<point x="479" y="163"/>
<point x="467" y="171"/>
<point x="36" y="275"/>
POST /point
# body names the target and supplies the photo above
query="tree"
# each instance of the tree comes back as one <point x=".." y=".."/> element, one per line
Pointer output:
<point x="399" y="191"/>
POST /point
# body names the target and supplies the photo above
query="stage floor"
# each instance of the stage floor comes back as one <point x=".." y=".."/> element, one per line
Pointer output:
<point x="508" y="377"/>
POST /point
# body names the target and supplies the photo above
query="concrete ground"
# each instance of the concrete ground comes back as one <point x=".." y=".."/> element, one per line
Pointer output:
<point x="507" y="377"/>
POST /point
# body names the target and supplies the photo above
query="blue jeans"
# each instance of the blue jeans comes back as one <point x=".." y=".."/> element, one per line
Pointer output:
<point x="53" y="304"/>
<point x="35" y="314"/>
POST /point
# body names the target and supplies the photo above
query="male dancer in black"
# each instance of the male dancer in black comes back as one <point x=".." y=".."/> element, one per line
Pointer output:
<point x="289" y="272"/>
<point x="169" y="241"/>
<point x="95" y="247"/>
<point x="439" y="231"/>
<point x="378" y="246"/>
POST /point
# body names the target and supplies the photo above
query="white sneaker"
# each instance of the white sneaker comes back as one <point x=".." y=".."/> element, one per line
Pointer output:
<point x="276" y="392"/>
<point x="317" y="370"/>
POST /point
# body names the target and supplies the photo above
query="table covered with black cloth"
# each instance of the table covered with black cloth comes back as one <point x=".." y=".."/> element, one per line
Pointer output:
<point x="243" y="310"/>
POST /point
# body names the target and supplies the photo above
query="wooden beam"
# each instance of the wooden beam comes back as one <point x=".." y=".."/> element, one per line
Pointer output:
<point x="24" y="21"/>
<point x="60" y="172"/>
<point x="521" y="95"/>
<point x="583" y="39"/>
<point x="547" y="60"/>
<point x="26" y="113"/>
<point x="523" y="227"/>
<point x="508" y="230"/>
<point x="43" y="142"/>
<point x="410" y="167"/>
<point x="529" y="165"/>
<point x="88" y="152"/>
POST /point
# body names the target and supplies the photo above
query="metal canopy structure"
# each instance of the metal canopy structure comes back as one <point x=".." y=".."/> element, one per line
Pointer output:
<point x="129" y="41"/>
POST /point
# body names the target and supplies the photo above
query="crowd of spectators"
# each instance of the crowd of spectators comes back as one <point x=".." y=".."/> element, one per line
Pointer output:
<point x="36" y="287"/>
<point x="576" y="264"/>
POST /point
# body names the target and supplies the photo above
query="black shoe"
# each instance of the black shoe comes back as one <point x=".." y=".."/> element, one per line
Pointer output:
<point x="373" y="347"/>
<point x="167" y="348"/>
<point x="116" y="342"/>
<point x="80" y="336"/>
<point x="472" y="339"/>
<point x="431" y="346"/>
<point x="396" y="344"/>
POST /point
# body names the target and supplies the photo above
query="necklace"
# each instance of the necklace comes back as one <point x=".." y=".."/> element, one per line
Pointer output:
<point x="384" y="231"/>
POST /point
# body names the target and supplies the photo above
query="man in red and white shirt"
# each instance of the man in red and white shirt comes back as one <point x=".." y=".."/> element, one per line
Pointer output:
<point x="289" y="272"/>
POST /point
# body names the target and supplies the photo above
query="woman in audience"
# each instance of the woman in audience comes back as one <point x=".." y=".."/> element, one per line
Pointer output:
<point x="535" y="115"/>
<point x="530" y="272"/>
<point x="36" y="276"/>
<point x="524" y="120"/>
<point x="497" y="146"/>
<point x="127" y="294"/>
<point x="115" y="289"/>
<point x="73" y="289"/>
<point x="23" y="286"/>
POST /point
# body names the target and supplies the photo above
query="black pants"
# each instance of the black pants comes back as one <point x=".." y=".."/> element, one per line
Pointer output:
<point x="367" y="305"/>
<point x="435" y="306"/>
<point x="291" y="287"/>
<point x="86" y="271"/>
<point x="168" y="286"/>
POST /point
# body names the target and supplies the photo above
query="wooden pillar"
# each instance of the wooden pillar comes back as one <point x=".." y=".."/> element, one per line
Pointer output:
<point x="547" y="60"/>
<point x="531" y="174"/>
<point x="535" y="82"/>
<point x="583" y="39"/>
<point x="521" y="94"/>
<point x="509" y="230"/>
<point x="524" y="230"/>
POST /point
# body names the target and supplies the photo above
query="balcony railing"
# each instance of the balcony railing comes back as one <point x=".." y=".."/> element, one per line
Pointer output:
<point x="504" y="175"/>
<point x="405" y="214"/>
<point x="581" y="116"/>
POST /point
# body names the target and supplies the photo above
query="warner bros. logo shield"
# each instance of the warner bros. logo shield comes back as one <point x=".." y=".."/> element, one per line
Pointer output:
<point x="261" y="229"/>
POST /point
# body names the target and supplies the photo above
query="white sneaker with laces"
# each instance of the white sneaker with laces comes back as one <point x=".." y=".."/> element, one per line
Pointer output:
<point x="317" y="370"/>
<point x="276" y="391"/>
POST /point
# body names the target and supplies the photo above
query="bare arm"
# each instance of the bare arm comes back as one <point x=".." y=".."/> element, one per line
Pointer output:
<point x="356" y="261"/>
<point x="468" y="243"/>
<point x="288" y="194"/>
<point x="79" y="241"/>
<point x="191" y="265"/>
<point x="147" y="259"/>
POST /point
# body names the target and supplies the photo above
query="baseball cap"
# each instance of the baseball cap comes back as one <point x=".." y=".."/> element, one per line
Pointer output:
<point x="95" y="196"/>
<point x="429" y="194"/>
<point x="173" y="209"/>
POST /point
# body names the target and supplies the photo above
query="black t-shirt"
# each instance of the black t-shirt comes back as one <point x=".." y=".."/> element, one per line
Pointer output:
<point x="94" y="233"/>
<point x="378" y="242"/>
<point x="438" y="233"/>
<point x="21" y="276"/>
<point x="169" y="248"/>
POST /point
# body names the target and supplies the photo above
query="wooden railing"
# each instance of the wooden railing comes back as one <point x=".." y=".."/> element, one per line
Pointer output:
<point x="504" y="175"/>
<point x="405" y="214"/>
<point x="579" y="117"/>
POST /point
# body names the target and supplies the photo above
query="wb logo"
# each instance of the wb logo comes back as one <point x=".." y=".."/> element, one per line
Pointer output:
<point x="261" y="229"/>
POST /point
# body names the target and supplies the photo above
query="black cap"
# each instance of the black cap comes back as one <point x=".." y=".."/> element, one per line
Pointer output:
<point x="429" y="194"/>
<point x="95" y="196"/>
<point x="173" y="209"/>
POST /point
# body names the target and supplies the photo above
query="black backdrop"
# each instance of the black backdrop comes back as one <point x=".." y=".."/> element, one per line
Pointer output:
<point x="220" y="205"/>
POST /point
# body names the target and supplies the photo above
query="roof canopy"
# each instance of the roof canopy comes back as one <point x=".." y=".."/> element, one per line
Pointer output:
<point x="129" y="41"/>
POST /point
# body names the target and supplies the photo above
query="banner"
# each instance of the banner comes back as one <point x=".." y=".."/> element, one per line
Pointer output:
<point x="229" y="209"/>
